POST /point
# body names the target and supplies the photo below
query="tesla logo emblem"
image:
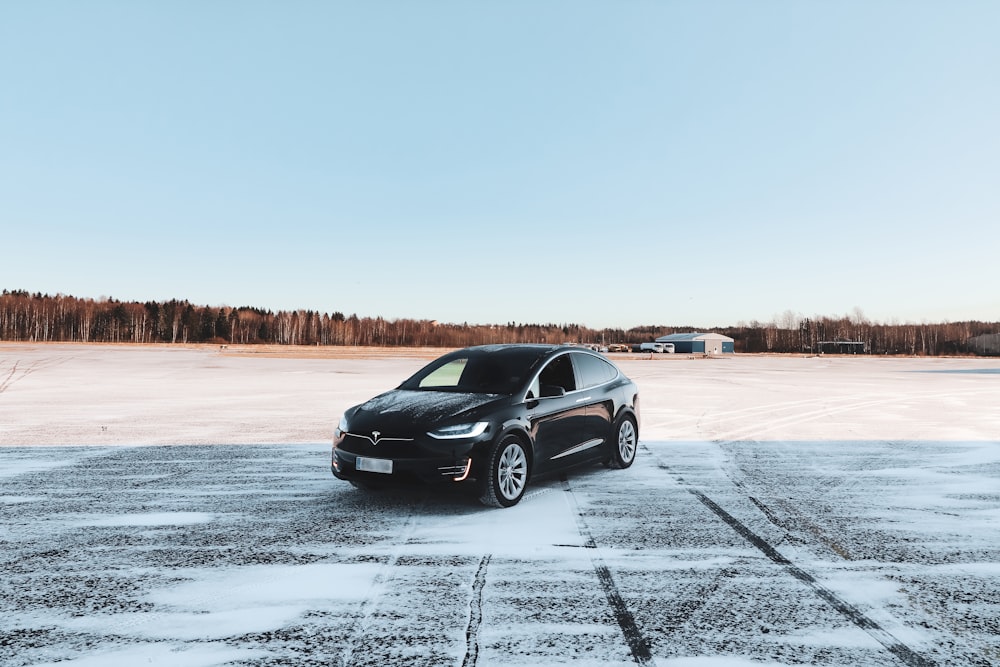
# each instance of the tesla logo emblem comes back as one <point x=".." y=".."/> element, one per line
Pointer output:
<point x="375" y="435"/>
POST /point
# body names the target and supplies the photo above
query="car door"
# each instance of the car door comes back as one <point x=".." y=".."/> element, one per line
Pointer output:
<point x="594" y="375"/>
<point x="559" y="415"/>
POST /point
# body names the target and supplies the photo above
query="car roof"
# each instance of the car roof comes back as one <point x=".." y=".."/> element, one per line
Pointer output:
<point x="532" y="351"/>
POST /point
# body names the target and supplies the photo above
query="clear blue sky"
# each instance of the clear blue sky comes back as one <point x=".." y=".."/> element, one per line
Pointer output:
<point x="604" y="163"/>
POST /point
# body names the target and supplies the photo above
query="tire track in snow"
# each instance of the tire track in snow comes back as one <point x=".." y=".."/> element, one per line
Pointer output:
<point x="11" y="377"/>
<point x="475" y="614"/>
<point x="380" y="585"/>
<point x="755" y="432"/>
<point x="814" y="408"/>
<point x="742" y="413"/>
<point x="847" y="610"/>
<point x="637" y="643"/>
<point x="905" y="654"/>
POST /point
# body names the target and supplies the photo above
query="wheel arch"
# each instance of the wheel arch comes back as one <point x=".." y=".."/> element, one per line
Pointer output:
<point x="521" y="433"/>
<point x="627" y="411"/>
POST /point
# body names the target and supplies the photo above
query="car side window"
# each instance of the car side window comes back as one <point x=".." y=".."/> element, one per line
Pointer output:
<point x="593" y="370"/>
<point x="559" y="373"/>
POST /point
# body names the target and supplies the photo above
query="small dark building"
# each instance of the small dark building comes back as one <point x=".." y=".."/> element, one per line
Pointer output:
<point x="986" y="345"/>
<point x="842" y="347"/>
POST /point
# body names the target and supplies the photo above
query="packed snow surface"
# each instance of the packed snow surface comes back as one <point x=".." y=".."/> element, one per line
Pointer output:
<point x="174" y="506"/>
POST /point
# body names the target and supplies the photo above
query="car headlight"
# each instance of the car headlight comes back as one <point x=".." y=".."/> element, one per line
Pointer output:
<point x="341" y="426"/>
<point x="459" y="431"/>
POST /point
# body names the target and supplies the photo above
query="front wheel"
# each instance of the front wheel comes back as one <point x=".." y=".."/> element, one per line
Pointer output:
<point x="506" y="474"/>
<point x="627" y="442"/>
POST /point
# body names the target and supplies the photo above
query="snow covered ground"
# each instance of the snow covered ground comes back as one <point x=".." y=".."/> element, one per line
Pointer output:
<point x="174" y="506"/>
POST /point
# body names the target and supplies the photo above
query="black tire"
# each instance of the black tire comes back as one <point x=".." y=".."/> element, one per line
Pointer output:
<point x="506" y="474"/>
<point x="625" y="443"/>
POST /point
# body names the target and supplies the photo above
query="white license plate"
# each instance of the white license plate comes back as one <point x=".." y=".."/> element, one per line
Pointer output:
<point x="383" y="466"/>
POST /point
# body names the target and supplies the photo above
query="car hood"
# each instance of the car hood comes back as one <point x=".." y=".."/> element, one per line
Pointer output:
<point x="403" y="411"/>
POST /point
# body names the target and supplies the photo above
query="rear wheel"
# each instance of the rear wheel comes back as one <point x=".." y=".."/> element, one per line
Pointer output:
<point x="626" y="443"/>
<point x="506" y="474"/>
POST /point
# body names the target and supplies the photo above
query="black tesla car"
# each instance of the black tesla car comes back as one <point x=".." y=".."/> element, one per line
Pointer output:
<point x="494" y="416"/>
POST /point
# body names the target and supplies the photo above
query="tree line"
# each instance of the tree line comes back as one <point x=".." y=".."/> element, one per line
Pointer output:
<point x="37" y="317"/>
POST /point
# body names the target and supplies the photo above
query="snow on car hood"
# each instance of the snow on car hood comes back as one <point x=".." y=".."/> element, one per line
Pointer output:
<point x="418" y="407"/>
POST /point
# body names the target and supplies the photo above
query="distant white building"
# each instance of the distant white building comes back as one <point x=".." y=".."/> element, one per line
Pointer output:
<point x="699" y="343"/>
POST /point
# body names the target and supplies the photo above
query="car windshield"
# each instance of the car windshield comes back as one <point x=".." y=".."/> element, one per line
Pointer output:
<point x="478" y="371"/>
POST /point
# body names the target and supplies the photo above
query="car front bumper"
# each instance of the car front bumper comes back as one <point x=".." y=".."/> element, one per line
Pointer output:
<point x="452" y="468"/>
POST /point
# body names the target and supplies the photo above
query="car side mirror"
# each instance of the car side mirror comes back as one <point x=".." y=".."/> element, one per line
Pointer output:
<point x="552" y="390"/>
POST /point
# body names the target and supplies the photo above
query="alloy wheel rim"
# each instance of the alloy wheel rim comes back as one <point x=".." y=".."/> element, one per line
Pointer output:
<point x="512" y="471"/>
<point x="626" y="441"/>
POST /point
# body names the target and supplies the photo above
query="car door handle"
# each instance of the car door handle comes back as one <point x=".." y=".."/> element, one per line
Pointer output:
<point x="581" y="400"/>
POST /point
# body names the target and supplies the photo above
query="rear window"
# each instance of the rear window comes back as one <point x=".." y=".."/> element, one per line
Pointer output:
<point x="593" y="370"/>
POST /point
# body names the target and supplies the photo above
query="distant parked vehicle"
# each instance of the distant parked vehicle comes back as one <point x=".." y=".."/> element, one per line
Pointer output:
<point x="660" y="348"/>
<point x="618" y="347"/>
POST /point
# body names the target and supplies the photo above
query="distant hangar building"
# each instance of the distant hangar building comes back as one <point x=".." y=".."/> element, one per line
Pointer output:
<point x="699" y="343"/>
